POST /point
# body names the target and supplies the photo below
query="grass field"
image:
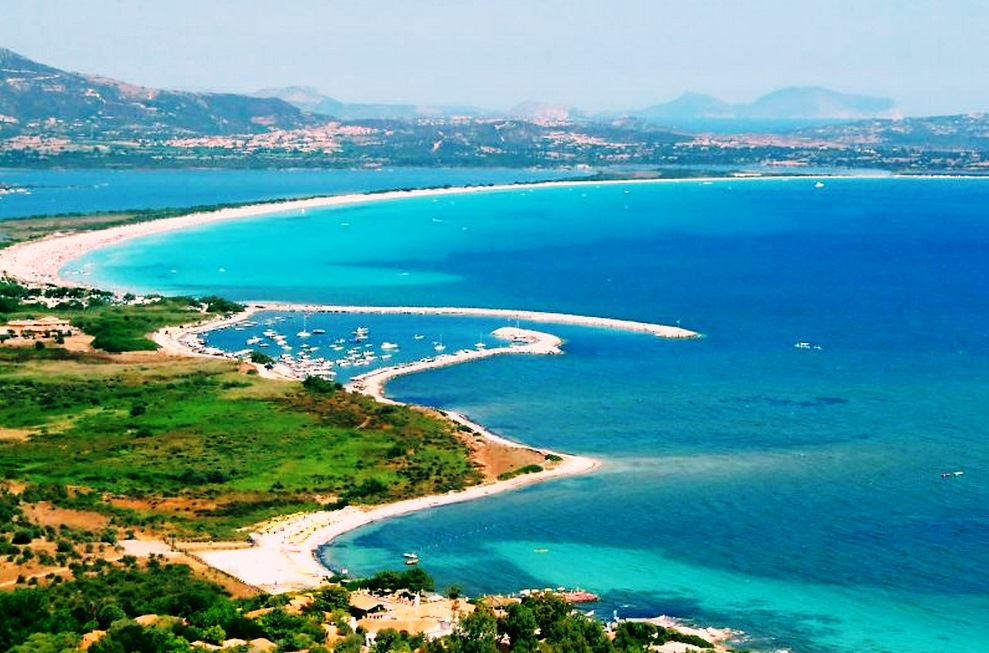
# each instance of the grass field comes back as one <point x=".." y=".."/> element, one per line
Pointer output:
<point x="197" y="443"/>
<point x="236" y="447"/>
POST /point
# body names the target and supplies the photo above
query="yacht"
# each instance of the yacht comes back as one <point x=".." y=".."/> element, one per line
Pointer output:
<point x="305" y="332"/>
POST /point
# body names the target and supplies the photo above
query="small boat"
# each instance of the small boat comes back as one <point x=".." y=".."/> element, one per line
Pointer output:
<point x="253" y="341"/>
<point x="439" y="346"/>
<point x="409" y="555"/>
<point x="318" y="332"/>
<point x="411" y="558"/>
<point x="389" y="345"/>
<point x="819" y="184"/>
<point x="419" y="336"/>
<point x="803" y="344"/>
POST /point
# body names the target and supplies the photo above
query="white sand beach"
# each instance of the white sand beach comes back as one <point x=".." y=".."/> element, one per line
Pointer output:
<point x="40" y="261"/>
<point x="282" y="556"/>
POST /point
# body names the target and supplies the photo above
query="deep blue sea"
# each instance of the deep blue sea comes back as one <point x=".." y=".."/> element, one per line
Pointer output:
<point x="795" y="494"/>
<point x="48" y="192"/>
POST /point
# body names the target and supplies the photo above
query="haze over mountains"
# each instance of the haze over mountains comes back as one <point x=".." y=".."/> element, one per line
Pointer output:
<point x="31" y="92"/>
<point x="53" y="117"/>
<point x="795" y="103"/>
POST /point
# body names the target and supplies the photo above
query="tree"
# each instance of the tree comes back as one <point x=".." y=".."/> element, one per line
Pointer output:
<point x="548" y="609"/>
<point x="331" y="598"/>
<point x="520" y="626"/>
<point x="476" y="633"/>
<point x="417" y="580"/>
<point x="48" y="643"/>
<point x="261" y="358"/>
<point x="634" y="636"/>
<point x="578" y="634"/>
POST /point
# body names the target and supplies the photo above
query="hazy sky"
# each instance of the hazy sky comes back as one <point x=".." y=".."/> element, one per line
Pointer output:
<point x="929" y="56"/>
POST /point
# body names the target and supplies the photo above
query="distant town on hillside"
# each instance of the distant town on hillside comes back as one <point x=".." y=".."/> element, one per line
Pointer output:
<point x="53" y="117"/>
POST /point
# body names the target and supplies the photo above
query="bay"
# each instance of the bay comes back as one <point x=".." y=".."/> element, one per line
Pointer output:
<point x="792" y="493"/>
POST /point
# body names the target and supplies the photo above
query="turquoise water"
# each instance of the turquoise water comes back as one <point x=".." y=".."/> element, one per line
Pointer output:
<point x="795" y="494"/>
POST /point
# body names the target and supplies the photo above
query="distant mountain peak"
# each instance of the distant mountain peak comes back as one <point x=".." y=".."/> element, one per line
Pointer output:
<point x="541" y="112"/>
<point x="791" y="103"/>
<point x="310" y="99"/>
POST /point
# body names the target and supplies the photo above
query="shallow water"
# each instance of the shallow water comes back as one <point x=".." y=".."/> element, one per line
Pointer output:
<point x="795" y="494"/>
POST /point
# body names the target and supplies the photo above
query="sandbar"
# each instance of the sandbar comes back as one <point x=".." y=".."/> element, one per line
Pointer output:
<point x="40" y="261"/>
<point x="282" y="556"/>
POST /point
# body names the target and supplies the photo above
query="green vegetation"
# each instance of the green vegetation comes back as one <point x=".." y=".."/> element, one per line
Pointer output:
<point x="518" y="471"/>
<point x="14" y="230"/>
<point x="116" y="325"/>
<point x="124" y="328"/>
<point x="251" y="447"/>
<point x="109" y="597"/>
<point x="414" y="580"/>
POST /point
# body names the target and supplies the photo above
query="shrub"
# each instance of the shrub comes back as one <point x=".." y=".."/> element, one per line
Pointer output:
<point x="22" y="536"/>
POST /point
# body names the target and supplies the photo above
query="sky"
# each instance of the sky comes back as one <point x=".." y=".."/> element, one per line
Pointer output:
<point x="929" y="56"/>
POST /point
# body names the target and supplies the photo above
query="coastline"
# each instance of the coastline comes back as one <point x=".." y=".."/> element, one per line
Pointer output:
<point x="41" y="261"/>
<point x="174" y="340"/>
<point x="283" y="558"/>
<point x="282" y="555"/>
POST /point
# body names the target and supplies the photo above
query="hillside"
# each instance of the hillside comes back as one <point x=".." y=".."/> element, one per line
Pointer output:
<point x="64" y="103"/>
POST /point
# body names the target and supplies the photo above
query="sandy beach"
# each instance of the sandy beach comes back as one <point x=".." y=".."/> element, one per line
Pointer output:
<point x="282" y="555"/>
<point x="40" y="261"/>
<point x="282" y="558"/>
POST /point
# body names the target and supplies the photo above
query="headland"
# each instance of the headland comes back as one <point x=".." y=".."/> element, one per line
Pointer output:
<point x="282" y="557"/>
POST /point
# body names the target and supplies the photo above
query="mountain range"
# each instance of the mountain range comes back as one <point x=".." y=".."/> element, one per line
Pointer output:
<point x="36" y="98"/>
<point x="795" y="103"/>
<point x="788" y="104"/>
<point x="33" y="94"/>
